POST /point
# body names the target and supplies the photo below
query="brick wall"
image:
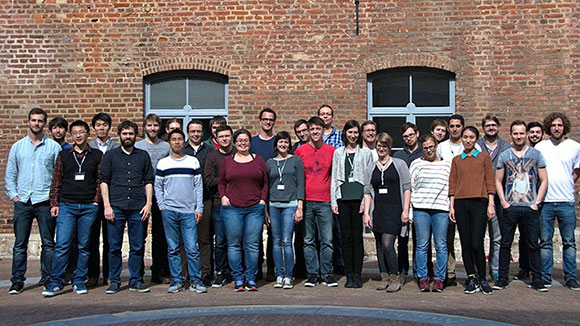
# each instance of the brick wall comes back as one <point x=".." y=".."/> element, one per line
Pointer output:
<point x="76" y="58"/>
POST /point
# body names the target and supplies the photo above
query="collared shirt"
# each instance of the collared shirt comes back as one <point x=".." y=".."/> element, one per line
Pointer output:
<point x="29" y="169"/>
<point x="409" y="157"/>
<point x="103" y="146"/>
<point x="127" y="175"/>
<point x="474" y="154"/>
<point x="334" y="138"/>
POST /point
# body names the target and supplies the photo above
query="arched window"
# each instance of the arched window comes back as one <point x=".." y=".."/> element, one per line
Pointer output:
<point x="187" y="95"/>
<point x="409" y="94"/>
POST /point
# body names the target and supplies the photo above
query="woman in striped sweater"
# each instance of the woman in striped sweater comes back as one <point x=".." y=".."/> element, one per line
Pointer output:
<point x="430" y="202"/>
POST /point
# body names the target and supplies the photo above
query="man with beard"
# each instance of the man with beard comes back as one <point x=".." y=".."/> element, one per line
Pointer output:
<point x="157" y="149"/>
<point x="127" y="189"/>
<point x="535" y="133"/>
<point x="493" y="145"/>
<point x="369" y="134"/>
<point x="57" y="128"/>
<point x="28" y="174"/>
<point x="562" y="156"/>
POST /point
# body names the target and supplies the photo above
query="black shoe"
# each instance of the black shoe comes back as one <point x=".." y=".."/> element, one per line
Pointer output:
<point x="452" y="281"/>
<point x="501" y="284"/>
<point x="312" y="281"/>
<point x="538" y="286"/>
<point x="349" y="281"/>
<point x="357" y="281"/>
<point x="522" y="275"/>
<point x="573" y="285"/>
<point x="471" y="286"/>
<point x="16" y="288"/>
<point x="139" y="287"/>
<point x="330" y="281"/>
<point x="207" y="280"/>
<point x="485" y="287"/>
<point x="113" y="288"/>
<point x="219" y="281"/>
<point x="92" y="282"/>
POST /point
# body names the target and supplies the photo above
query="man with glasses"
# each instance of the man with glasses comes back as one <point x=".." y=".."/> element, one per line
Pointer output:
<point x="263" y="145"/>
<point x="493" y="145"/>
<point x="369" y="134"/>
<point x="301" y="131"/>
<point x="200" y="150"/>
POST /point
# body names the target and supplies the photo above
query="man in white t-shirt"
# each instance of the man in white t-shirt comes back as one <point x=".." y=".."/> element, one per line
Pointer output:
<point x="562" y="155"/>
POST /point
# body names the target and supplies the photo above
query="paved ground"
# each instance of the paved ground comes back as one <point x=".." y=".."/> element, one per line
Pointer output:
<point x="517" y="304"/>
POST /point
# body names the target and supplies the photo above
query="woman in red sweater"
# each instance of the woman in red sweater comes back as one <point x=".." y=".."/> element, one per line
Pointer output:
<point x="243" y="188"/>
<point x="471" y="190"/>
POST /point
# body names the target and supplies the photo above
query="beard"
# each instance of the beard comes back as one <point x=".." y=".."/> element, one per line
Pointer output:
<point x="128" y="142"/>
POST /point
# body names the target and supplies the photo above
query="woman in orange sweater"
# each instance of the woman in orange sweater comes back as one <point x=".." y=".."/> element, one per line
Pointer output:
<point x="471" y="190"/>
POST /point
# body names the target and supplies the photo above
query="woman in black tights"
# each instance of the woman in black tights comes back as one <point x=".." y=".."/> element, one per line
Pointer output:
<point x="387" y="197"/>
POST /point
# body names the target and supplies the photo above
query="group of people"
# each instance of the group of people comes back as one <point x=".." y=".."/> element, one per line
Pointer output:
<point x="209" y="201"/>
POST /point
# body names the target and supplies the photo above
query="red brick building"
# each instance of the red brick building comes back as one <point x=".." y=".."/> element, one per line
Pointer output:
<point x="411" y="61"/>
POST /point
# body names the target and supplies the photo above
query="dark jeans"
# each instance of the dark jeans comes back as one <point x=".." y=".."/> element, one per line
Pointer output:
<point x="351" y="229"/>
<point x="523" y="249"/>
<point x="100" y="225"/>
<point x="529" y="222"/>
<point x="136" y="229"/>
<point x="159" y="261"/>
<point x="204" y="237"/>
<point x="471" y="217"/>
<point x="300" y="264"/>
<point x="221" y="245"/>
<point x="337" y="258"/>
<point x="24" y="215"/>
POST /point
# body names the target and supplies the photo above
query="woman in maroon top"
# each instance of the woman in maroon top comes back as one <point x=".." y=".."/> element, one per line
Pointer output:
<point x="243" y="188"/>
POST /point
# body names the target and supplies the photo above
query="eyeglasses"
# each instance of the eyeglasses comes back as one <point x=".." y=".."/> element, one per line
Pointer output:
<point x="429" y="148"/>
<point x="409" y="136"/>
<point x="381" y="146"/>
<point x="300" y="132"/>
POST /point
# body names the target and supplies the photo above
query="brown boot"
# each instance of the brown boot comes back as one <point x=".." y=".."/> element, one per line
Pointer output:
<point x="395" y="285"/>
<point x="384" y="282"/>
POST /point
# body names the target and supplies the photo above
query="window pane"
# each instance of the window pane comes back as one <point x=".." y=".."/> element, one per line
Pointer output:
<point x="424" y="123"/>
<point x="430" y="89"/>
<point x="391" y="90"/>
<point x="168" y="94"/>
<point x="391" y="125"/>
<point x="206" y="94"/>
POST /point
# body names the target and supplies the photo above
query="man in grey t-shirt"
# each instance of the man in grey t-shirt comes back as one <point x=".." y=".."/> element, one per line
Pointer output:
<point x="518" y="172"/>
<point x="157" y="149"/>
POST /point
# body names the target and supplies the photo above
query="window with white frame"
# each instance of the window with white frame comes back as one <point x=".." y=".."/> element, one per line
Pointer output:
<point x="409" y="94"/>
<point x="187" y="95"/>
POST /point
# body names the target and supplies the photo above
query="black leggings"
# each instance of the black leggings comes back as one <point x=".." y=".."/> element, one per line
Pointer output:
<point x="351" y="230"/>
<point x="389" y="253"/>
<point x="471" y="217"/>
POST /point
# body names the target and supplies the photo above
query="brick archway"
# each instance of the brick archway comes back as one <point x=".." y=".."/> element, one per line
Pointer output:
<point x="377" y="63"/>
<point x="184" y="63"/>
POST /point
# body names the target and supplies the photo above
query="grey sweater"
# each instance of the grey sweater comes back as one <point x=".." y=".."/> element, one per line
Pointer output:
<point x="362" y="158"/>
<point x="292" y="179"/>
<point x="404" y="180"/>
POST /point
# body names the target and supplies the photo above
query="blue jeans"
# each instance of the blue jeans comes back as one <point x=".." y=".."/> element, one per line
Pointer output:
<point x="73" y="228"/>
<point x="425" y="221"/>
<point x="221" y="245"/>
<point x="136" y="229"/>
<point x="566" y="215"/>
<point x="176" y="223"/>
<point x="282" y="224"/>
<point x="318" y="217"/>
<point x="243" y="227"/>
<point x="24" y="214"/>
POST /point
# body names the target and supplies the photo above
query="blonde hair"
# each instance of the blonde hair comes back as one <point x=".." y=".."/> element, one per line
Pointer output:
<point x="385" y="139"/>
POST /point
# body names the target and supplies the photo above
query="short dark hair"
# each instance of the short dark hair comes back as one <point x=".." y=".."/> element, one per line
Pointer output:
<point x="217" y="119"/>
<point x="553" y="116"/>
<point x="267" y="110"/>
<point x="299" y="122"/>
<point x="282" y="135"/>
<point x="349" y="125"/>
<point x="37" y="111"/>
<point x="426" y="137"/>
<point x="325" y="106"/>
<point x="223" y="128"/>
<point x="151" y="117"/>
<point x="490" y="116"/>
<point x="408" y="125"/>
<point x="366" y="123"/>
<point x="58" y="122"/>
<point x="175" y="131"/>
<point x="456" y="117"/>
<point x="240" y="132"/>
<point x="194" y="122"/>
<point x="103" y="117"/>
<point x="79" y="123"/>
<point x="518" y="123"/>
<point x="534" y="124"/>
<point x="472" y="129"/>
<point x="315" y="121"/>
<point x="438" y="122"/>
<point x="127" y="124"/>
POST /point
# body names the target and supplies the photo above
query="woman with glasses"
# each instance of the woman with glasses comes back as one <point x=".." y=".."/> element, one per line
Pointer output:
<point x="346" y="196"/>
<point x="430" y="201"/>
<point x="387" y="196"/>
<point x="286" y="174"/>
<point x="243" y="188"/>
<point x="471" y="191"/>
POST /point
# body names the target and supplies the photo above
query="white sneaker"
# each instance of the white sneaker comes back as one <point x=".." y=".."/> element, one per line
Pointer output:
<point x="279" y="282"/>
<point x="287" y="283"/>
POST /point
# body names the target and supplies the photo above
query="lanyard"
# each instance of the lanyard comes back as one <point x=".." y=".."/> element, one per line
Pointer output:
<point x="382" y="169"/>
<point x="350" y="162"/>
<point x="281" y="170"/>
<point x="82" y="161"/>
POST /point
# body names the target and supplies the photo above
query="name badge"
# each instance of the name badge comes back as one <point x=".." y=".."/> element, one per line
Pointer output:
<point x="80" y="176"/>
<point x="280" y="187"/>
<point x="383" y="191"/>
<point x="350" y="179"/>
